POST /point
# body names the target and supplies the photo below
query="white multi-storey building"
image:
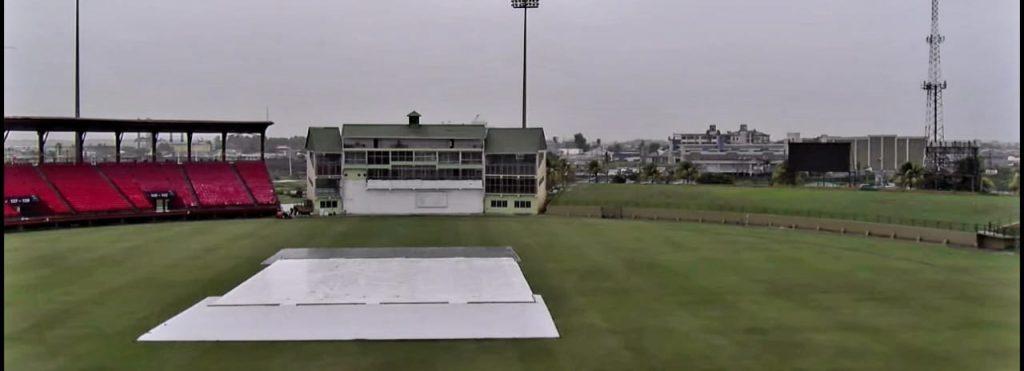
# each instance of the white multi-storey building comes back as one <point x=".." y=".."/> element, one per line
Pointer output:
<point x="415" y="168"/>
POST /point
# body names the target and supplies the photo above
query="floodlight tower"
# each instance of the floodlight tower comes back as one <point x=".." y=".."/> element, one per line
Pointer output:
<point x="934" y="86"/>
<point x="525" y="5"/>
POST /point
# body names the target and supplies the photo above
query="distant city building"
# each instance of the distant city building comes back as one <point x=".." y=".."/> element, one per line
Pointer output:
<point x="200" y="149"/>
<point x="747" y="152"/>
<point x="715" y="136"/>
<point x="569" y="151"/>
<point x="999" y="157"/>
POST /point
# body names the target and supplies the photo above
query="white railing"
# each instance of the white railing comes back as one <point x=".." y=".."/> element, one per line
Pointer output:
<point x="424" y="184"/>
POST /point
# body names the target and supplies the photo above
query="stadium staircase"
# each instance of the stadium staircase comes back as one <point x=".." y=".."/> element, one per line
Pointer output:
<point x="26" y="180"/>
<point x="75" y="193"/>
<point x="248" y="191"/>
<point x="124" y="179"/>
<point x="218" y="185"/>
<point x="116" y="188"/>
<point x="257" y="180"/>
<point x="188" y="188"/>
<point x="60" y="197"/>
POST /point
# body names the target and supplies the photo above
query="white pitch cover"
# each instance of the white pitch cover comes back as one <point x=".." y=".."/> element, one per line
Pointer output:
<point x="389" y="281"/>
<point x="369" y="299"/>
<point x="204" y="322"/>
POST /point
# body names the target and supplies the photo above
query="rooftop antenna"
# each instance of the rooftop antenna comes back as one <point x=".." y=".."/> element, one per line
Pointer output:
<point x="934" y="86"/>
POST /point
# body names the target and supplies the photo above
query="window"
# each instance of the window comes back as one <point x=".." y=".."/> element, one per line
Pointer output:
<point x="523" y="204"/>
<point x="447" y="174"/>
<point x="499" y="203"/>
<point x="355" y="157"/>
<point x="522" y="164"/>
<point x="510" y="185"/>
<point x="471" y="174"/>
<point x="401" y="156"/>
<point x="448" y="157"/>
<point x="328" y="164"/>
<point x="404" y="172"/>
<point x="378" y="158"/>
<point x="327" y="183"/>
<point x="471" y="158"/>
<point x="425" y="156"/>
<point x="328" y="204"/>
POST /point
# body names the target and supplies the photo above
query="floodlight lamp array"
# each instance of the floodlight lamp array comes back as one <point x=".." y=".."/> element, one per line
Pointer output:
<point x="525" y="4"/>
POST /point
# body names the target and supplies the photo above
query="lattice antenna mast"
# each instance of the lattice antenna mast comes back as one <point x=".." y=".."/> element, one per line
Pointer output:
<point x="934" y="86"/>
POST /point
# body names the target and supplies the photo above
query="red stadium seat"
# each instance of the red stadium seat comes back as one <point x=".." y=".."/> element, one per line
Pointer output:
<point x="116" y="190"/>
<point x="174" y="174"/>
<point x="217" y="184"/>
<point x="24" y="180"/>
<point x="85" y="188"/>
<point x="136" y="180"/>
<point x="10" y="212"/>
<point x="127" y="177"/>
<point x="256" y="177"/>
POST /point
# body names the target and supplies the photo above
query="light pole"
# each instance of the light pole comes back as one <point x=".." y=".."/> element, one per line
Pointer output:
<point x="525" y="5"/>
<point x="78" y="100"/>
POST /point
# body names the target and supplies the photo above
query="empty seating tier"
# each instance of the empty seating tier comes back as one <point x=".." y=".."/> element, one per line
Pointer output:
<point x="60" y="193"/>
<point x="24" y="180"/>
<point x="217" y="184"/>
<point x="124" y="177"/>
<point x="85" y="188"/>
<point x="139" y="179"/>
<point x="10" y="212"/>
<point x="256" y="177"/>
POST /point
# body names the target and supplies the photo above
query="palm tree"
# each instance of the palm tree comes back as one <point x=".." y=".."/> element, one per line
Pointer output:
<point x="594" y="168"/>
<point x="649" y="172"/>
<point x="686" y="171"/>
<point x="910" y="175"/>
<point x="987" y="185"/>
<point x="560" y="171"/>
<point x="782" y="175"/>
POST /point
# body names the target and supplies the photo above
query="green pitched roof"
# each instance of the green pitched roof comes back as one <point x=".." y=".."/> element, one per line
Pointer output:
<point x="515" y="140"/>
<point x="323" y="139"/>
<point x="413" y="131"/>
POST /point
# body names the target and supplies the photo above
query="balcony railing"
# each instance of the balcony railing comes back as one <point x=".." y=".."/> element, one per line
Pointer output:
<point x="328" y="193"/>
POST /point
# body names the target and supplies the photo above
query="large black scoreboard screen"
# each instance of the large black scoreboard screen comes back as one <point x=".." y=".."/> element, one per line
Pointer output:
<point x="819" y="157"/>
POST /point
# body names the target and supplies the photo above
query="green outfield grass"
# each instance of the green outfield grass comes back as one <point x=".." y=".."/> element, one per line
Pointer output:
<point x="624" y="294"/>
<point x="890" y="206"/>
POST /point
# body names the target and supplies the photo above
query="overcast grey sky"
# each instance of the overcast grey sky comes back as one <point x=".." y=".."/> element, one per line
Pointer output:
<point x="610" y="69"/>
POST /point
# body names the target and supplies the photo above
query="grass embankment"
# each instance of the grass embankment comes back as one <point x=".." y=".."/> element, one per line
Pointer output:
<point x="944" y="210"/>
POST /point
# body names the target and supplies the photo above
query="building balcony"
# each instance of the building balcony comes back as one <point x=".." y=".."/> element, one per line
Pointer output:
<point x="328" y="193"/>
